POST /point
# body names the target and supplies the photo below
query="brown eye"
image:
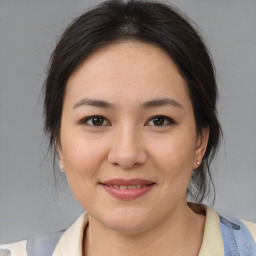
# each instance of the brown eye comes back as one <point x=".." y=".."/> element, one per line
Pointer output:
<point x="160" y="121"/>
<point x="95" y="121"/>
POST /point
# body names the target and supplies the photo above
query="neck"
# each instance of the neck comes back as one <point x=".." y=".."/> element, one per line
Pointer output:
<point x="180" y="234"/>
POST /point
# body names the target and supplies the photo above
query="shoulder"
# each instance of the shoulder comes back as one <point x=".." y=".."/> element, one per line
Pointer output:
<point x="14" y="249"/>
<point x="50" y="244"/>
<point x="219" y="230"/>
<point x="252" y="228"/>
<point x="215" y="215"/>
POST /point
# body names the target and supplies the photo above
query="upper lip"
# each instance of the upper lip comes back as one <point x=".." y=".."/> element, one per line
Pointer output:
<point x="124" y="182"/>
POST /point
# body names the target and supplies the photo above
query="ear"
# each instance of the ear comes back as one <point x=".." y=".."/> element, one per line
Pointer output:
<point x="201" y="146"/>
<point x="58" y="150"/>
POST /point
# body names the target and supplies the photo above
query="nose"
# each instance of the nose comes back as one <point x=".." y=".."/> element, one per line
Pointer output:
<point x="127" y="150"/>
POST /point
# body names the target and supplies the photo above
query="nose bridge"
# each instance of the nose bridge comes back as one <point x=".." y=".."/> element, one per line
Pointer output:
<point x="127" y="147"/>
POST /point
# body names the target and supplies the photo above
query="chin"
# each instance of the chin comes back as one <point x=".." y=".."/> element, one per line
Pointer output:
<point x="127" y="221"/>
<point x="128" y="228"/>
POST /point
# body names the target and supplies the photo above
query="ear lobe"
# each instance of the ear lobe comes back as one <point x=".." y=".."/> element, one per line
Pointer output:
<point x="60" y="156"/>
<point x="201" y="146"/>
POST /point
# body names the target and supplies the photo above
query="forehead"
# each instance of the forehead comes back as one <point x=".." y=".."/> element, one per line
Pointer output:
<point x="130" y="68"/>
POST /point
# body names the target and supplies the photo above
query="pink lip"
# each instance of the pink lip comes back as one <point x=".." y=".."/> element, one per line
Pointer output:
<point x="127" y="194"/>
<point x="123" y="182"/>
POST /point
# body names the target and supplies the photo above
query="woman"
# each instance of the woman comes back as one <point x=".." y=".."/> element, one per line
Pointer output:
<point x="130" y="109"/>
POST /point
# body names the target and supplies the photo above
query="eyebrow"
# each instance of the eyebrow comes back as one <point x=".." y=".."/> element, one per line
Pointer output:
<point x="148" y="104"/>
<point x="161" y="102"/>
<point x="94" y="103"/>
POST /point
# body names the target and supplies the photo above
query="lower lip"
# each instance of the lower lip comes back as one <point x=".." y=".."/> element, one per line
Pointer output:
<point x="127" y="194"/>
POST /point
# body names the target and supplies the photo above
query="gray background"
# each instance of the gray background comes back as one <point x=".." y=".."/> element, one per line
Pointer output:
<point x="29" y="200"/>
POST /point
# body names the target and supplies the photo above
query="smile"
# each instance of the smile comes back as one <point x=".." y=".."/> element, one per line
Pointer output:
<point x="127" y="189"/>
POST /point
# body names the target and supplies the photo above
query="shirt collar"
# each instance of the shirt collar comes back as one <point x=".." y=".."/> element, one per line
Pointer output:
<point x="70" y="243"/>
<point x="212" y="244"/>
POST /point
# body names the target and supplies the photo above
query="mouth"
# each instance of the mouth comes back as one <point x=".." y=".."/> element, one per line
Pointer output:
<point x="127" y="189"/>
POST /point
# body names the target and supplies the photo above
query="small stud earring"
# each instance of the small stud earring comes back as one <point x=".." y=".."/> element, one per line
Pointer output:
<point x="61" y="167"/>
<point x="198" y="163"/>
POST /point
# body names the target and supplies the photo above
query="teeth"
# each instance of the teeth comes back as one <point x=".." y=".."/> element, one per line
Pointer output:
<point x="128" y="187"/>
<point x="132" y="187"/>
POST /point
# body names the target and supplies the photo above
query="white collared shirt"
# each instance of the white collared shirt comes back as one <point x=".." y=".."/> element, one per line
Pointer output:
<point x="70" y="243"/>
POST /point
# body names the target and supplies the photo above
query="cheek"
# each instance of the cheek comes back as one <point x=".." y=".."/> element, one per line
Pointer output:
<point x="83" y="156"/>
<point x="83" y="161"/>
<point x="174" y="157"/>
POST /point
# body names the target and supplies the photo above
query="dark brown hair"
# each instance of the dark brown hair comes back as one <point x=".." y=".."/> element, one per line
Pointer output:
<point x="151" y="22"/>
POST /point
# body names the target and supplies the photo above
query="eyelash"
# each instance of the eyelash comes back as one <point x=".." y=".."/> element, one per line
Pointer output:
<point x="90" y="118"/>
<point x="169" y="120"/>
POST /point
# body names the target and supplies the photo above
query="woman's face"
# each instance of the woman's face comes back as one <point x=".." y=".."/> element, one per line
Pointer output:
<point x="128" y="137"/>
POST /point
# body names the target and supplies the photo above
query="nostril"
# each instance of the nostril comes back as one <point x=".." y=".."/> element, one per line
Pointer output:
<point x="127" y="158"/>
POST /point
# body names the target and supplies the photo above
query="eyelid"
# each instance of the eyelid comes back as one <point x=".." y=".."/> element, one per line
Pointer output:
<point x="85" y="120"/>
<point x="169" y="119"/>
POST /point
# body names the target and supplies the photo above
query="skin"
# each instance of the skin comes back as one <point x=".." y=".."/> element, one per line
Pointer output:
<point x="129" y="144"/>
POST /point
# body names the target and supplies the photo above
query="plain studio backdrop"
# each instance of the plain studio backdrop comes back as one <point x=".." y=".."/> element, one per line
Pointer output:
<point x="30" y="202"/>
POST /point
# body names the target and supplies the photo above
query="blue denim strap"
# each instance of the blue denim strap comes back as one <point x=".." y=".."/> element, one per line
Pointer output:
<point x="43" y="245"/>
<point x="237" y="239"/>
